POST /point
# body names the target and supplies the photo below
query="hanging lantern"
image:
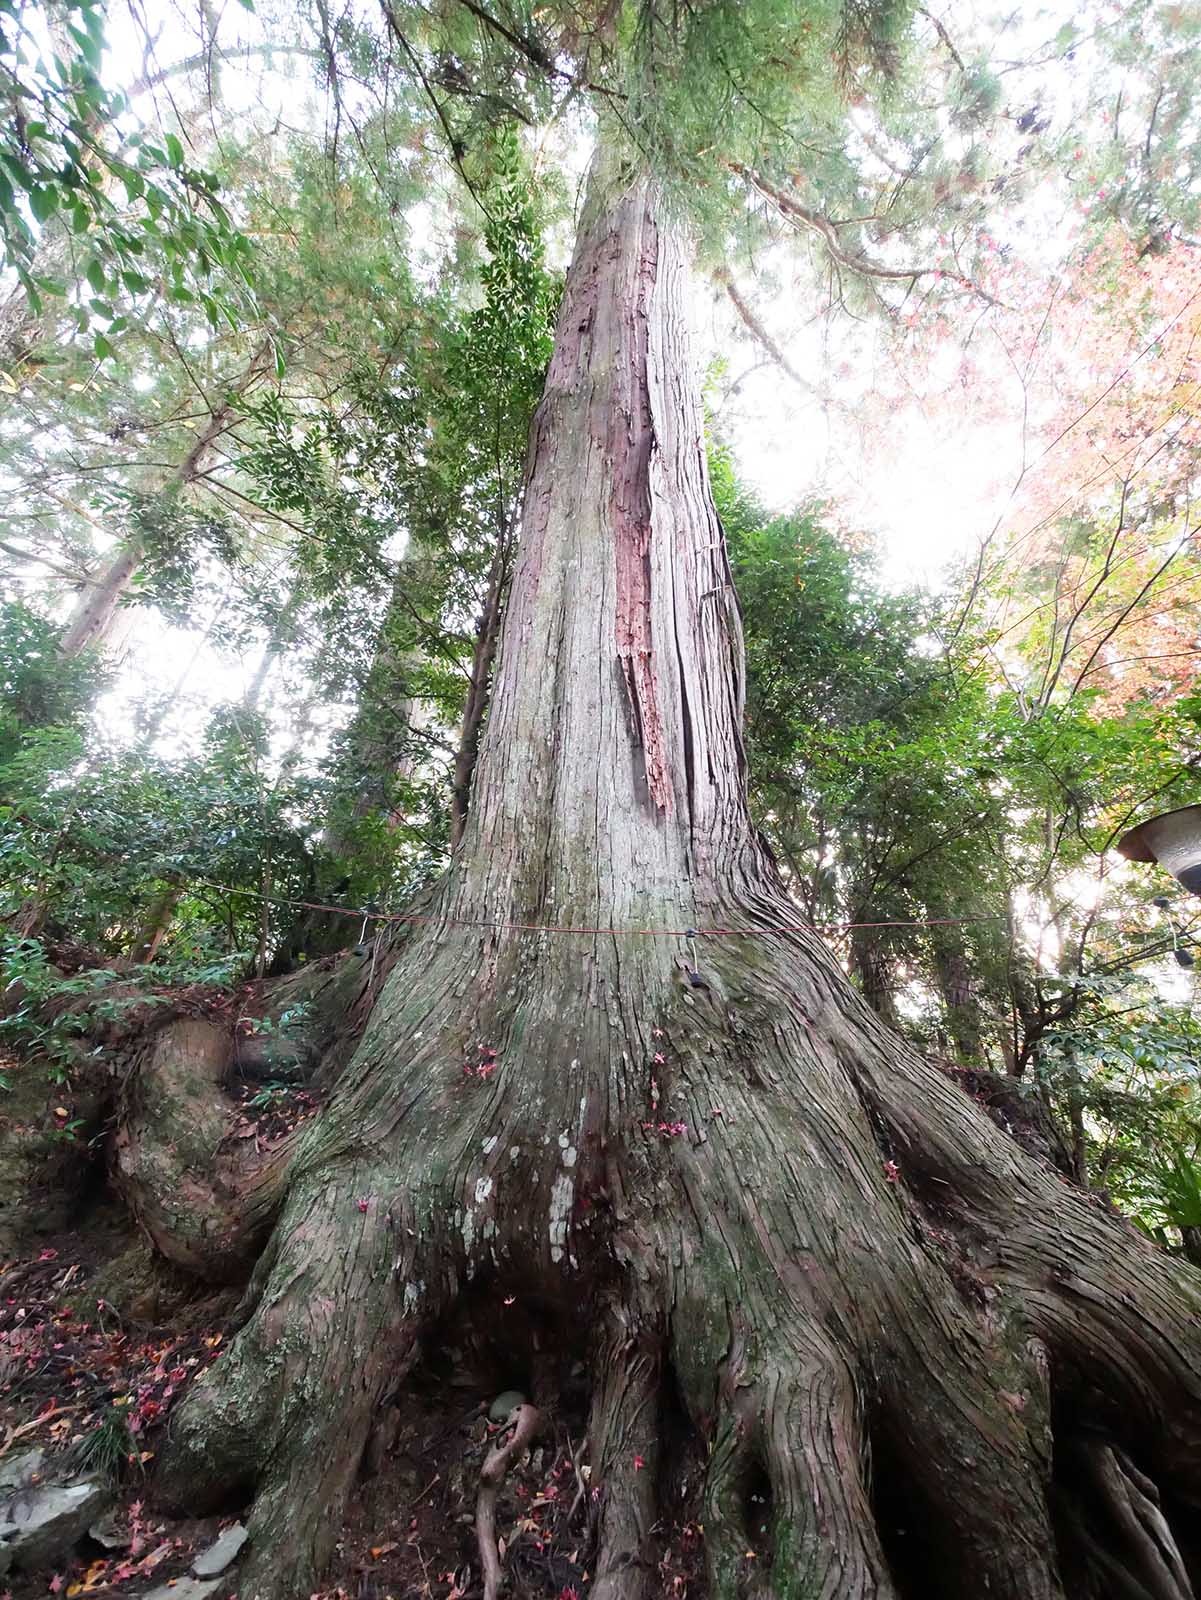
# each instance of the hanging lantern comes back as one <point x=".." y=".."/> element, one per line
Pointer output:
<point x="1173" y="840"/>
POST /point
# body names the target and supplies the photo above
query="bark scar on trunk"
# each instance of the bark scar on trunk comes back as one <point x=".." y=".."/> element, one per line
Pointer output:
<point x="631" y="509"/>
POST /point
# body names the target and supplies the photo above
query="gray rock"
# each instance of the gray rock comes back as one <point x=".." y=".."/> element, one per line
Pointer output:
<point x="221" y="1552"/>
<point x="41" y="1524"/>
<point x="17" y="1472"/>
<point x="187" y="1589"/>
<point x="503" y="1407"/>
<point x="109" y="1534"/>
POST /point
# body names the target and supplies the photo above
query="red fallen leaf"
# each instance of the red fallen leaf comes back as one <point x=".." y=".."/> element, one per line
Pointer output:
<point x="55" y="1584"/>
<point x="639" y="1463"/>
<point x="48" y="1255"/>
<point x="364" y="1205"/>
<point x="891" y="1171"/>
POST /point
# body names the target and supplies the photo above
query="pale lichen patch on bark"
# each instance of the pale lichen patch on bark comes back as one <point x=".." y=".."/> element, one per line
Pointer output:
<point x="561" y="1196"/>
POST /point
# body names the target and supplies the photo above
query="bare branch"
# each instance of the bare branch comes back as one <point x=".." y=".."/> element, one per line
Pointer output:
<point x="757" y="331"/>
<point x="793" y="211"/>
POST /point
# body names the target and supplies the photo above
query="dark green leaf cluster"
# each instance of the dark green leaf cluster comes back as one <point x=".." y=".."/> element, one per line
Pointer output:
<point x="132" y="217"/>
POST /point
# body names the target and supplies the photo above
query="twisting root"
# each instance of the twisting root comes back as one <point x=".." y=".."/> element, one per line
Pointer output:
<point x="206" y="1203"/>
<point x="525" y="1421"/>
<point x="1134" y="1501"/>
<point x="797" y="1421"/>
<point x="624" y="1430"/>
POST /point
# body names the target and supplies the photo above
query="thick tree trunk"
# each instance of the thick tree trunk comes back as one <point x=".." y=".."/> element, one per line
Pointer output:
<point x="697" y="1159"/>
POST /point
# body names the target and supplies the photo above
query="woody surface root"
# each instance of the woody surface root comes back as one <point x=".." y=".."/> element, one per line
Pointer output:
<point x="522" y="1428"/>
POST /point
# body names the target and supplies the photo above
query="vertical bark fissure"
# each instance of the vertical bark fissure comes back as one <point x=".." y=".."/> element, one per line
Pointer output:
<point x="632" y="532"/>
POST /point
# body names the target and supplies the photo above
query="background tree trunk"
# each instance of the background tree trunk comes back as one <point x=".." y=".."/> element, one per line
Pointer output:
<point x="92" y="619"/>
<point x="872" y="966"/>
<point x="695" y="1160"/>
<point x="95" y="610"/>
<point x="957" y="990"/>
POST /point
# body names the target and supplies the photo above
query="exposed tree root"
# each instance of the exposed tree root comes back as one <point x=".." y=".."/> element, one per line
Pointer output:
<point x="775" y="1259"/>
<point x="1134" y="1501"/>
<point x="291" y="1412"/>
<point x="206" y="1201"/>
<point x="778" y="1257"/>
<point x="205" y="1198"/>
<point x="525" y="1423"/>
<point x="624" y="1434"/>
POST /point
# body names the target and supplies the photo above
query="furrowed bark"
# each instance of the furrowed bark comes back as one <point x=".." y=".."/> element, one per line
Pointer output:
<point x="623" y="1437"/>
<point x="690" y="1151"/>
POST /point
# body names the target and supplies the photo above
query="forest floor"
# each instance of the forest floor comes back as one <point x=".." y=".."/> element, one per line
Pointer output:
<point x="93" y="1386"/>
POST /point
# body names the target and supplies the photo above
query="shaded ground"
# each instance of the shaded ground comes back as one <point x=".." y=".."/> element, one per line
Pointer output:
<point x="92" y="1383"/>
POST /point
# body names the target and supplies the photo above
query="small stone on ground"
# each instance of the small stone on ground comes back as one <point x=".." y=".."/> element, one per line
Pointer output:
<point x="18" y="1471"/>
<point x="221" y="1552"/>
<point x="41" y="1525"/>
<point x="187" y="1589"/>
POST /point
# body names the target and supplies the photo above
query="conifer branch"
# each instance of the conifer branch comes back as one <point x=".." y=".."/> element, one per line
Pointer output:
<point x="795" y="212"/>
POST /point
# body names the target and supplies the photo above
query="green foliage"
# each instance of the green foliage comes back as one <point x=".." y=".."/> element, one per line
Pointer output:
<point x="54" y="1013"/>
<point x="1126" y="1070"/>
<point x="428" y="451"/>
<point x="109" y="1449"/>
<point x="96" y="842"/>
<point x="899" y="782"/>
<point x="38" y="690"/>
<point x="134" y="216"/>
<point x="394" y="467"/>
<point x="1179" y="1181"/>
